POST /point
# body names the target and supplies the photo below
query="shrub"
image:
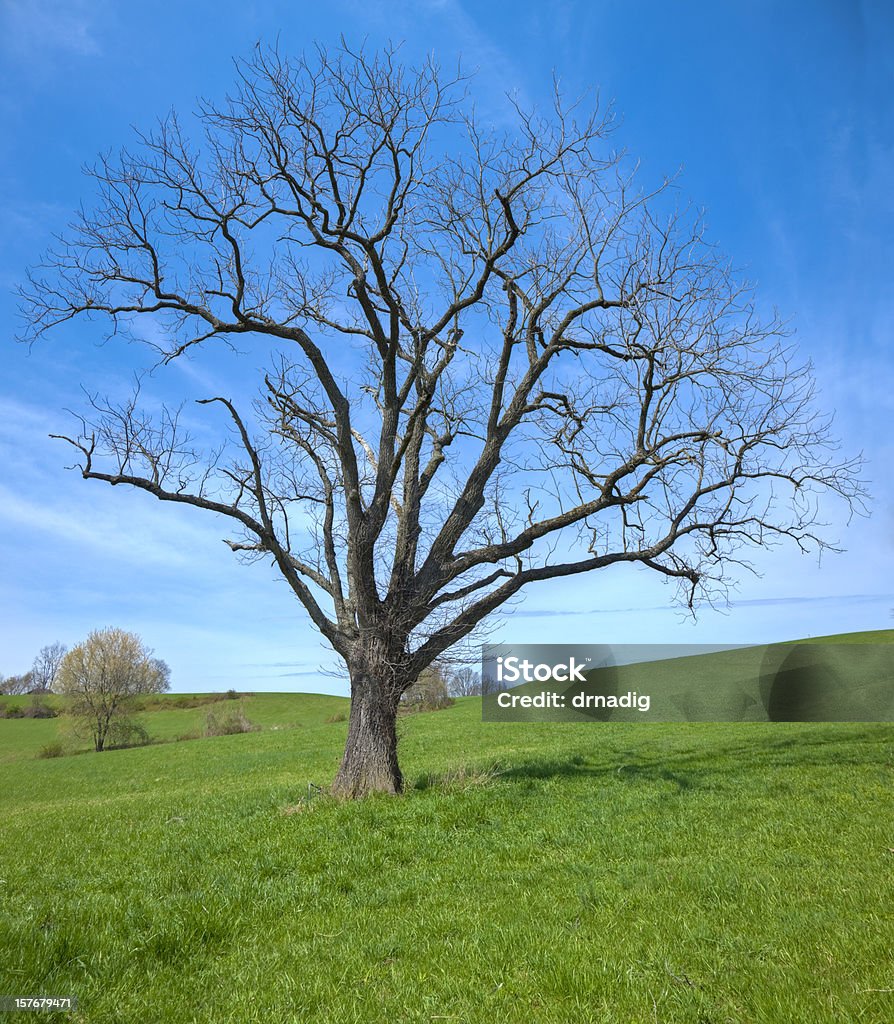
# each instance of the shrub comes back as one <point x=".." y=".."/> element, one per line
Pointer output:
<point x="232" y="695"/>
<point x="228" y="723"/>
<point x="461" y="777"/>
<point x="178" y="702"/>
<point x="124" y="732"/>
<point x="54" y="749"/>
<point x="428" y="693"/>
<point x="38" y="708"/>
<point x="339" y="716"/>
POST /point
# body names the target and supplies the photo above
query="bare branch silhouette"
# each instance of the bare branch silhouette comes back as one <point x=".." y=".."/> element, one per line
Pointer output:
<point x="557" y="372"/>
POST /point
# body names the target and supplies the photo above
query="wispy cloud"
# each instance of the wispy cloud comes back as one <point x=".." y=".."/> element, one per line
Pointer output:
<point x="133" y="535"/>
<point x="40" y="25"/>
<point x="760" y="602"/>
<point x="307" y="674"/>
<point x="451" y="31"/>
<point x="39" y="499"/>
<point x="764" y="602"/>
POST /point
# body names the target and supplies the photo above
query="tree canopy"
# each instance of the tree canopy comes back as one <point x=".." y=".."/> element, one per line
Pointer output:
<point x="499" y="360"/>
<point x="104" y="675"/>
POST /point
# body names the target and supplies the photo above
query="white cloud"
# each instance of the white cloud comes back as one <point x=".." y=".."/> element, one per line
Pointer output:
<point x="122" y="531"/>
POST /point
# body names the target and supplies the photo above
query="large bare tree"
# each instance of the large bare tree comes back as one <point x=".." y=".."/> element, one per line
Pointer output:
<point x="496" y="360"/>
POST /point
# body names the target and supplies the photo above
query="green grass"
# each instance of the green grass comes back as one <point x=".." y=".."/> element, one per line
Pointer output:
<point x="871" y="636"/>
<point x="22" y="738"/>
<point x="738" y="873"/>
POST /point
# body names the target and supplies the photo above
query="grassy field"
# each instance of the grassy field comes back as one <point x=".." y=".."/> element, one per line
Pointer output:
<point x="615" y="872"/>
<point x="827" y="679"/>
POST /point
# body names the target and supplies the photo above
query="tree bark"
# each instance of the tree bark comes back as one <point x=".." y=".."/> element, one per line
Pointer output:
<point x="369" y="764"/>
<point x="100" y="730"/>
<point x="99" y="736"/>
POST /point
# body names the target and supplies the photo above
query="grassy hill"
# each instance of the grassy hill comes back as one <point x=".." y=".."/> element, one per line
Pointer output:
<point x="600" y="872"/>
<point x="167" y="718"/>
<point x="848" y="677"/>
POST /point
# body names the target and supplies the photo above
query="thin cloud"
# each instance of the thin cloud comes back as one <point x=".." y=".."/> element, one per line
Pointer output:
<point x="310" y="672"/>
<point x="459" y="32"/>
<point x="40" y="25"/>
<point x="824" y="598"/>
<point x="760" y="602"/>
<point x="146" y="538"/>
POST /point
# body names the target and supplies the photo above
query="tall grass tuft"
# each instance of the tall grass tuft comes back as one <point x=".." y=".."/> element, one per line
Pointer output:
<point x="229" y="722"/>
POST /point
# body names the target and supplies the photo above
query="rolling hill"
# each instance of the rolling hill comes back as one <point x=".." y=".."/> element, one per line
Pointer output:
<point x="733" y="873"/>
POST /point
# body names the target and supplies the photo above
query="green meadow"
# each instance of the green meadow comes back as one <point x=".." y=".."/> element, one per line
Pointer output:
<point x="829" y="679"/>
<point x="610" y="872"/>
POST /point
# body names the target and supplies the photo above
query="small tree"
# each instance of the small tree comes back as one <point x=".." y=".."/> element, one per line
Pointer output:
<point x="429" y="692"/>
<point x="46" y="666"/>
<point x="104" y="675"/>
<point x="14" y="685"/>
<point x="464" y="681"/>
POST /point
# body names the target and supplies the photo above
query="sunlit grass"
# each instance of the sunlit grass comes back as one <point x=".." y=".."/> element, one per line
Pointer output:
<point x="611" y="873"/>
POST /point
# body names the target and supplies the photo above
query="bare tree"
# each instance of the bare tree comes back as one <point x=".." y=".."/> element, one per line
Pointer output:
<point x="498" y="361"/>
<point x="13" y="686"/>
<point x="46" y="666"/>
<point x="104" y="675"/>
<point x="464" y="681"/>
<point x="429" y="691"/>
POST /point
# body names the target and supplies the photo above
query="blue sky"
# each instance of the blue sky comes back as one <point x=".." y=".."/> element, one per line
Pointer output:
<point x="781" y="117"/>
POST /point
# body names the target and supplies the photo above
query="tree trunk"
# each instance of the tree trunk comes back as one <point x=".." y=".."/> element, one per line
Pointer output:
<point x="370" y="763"/>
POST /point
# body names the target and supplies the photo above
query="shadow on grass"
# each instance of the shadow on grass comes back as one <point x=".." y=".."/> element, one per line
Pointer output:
<point x="576" y="767"/>
<point x="691" y="768"/>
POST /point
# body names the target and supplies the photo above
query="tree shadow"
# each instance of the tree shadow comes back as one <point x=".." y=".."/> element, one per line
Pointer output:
<point x="814" y="746"/>
<point x="810" y="682"/>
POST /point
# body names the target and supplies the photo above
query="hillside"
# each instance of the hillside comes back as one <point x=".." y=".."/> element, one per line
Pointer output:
<point x="598" y="872"/>
<point x="848" y="677"/>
